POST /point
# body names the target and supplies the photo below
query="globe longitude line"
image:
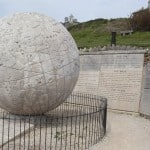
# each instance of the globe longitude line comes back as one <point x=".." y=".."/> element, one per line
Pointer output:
<point x="45" y="83"/>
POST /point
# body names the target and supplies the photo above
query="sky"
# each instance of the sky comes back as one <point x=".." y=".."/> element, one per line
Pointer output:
<point x="83" y="10"/>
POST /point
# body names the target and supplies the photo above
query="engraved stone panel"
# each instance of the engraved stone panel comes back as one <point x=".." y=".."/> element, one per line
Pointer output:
<point x="121" y="88"/>
<point x="89" y="74"/>
<point x="118" y="77"/>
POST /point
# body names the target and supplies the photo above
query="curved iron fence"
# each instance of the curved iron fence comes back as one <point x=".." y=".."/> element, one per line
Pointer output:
<point x="77" y="124"/>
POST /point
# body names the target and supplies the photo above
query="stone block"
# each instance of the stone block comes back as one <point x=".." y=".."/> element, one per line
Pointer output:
<point x="116" y="76"/>
<point x="38" y="56"/>
<point x="145" y="102"/>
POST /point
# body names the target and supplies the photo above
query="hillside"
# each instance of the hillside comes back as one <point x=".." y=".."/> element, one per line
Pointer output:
<point x="98" y="33"/>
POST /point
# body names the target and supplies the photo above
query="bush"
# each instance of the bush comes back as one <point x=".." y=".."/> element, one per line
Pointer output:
<point x="140" y="21"/>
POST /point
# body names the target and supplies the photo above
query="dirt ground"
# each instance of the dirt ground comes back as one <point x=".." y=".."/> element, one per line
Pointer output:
<point x="125" y="132"/>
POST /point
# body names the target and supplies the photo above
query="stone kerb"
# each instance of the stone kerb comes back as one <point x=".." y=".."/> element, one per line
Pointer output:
<point x="115" y="73"/>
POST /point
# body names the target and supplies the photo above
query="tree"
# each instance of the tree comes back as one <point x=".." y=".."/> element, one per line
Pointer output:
<point x="140" y="20"/>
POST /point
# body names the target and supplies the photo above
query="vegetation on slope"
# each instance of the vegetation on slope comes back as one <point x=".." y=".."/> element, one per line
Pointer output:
<point x="98" y="33"/>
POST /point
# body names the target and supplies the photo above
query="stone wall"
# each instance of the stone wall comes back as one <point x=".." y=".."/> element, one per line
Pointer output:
<point x="145" y="102"/>
<point x="114" y="74"/>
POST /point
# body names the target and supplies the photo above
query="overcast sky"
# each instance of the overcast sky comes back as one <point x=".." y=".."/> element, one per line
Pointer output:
<point x="83" y="10"/>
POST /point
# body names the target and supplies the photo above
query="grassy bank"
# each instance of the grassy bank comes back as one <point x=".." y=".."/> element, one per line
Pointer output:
<point x="98" y="33"/>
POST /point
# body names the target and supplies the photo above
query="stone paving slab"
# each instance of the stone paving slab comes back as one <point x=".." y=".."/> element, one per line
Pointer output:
<point x="10" y="128"/>
<point x="125" y="132"/>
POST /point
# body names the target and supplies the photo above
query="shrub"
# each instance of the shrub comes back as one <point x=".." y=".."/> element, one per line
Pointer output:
<point x="140" y="21"/>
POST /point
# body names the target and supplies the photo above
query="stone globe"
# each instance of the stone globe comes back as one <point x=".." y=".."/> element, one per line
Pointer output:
<point x="39" y="63"/>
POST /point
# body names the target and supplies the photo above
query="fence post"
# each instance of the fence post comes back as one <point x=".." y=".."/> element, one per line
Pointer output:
<point x="113" y="38"/>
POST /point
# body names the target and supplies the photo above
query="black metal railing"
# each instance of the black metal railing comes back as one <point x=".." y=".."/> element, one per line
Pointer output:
<point x="78" y="123"/>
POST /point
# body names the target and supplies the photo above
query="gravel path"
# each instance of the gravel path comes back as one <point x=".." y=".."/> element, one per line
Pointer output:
<point x="125" y="132"/>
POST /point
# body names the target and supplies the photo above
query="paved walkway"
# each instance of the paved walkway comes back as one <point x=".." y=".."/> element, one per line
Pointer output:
<point x="125" y="132"/>
<point x="7" y="128"/>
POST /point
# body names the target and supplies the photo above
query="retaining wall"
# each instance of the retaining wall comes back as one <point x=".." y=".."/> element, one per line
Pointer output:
<point x="118" y="75"/>
<point x="145" y="101"/>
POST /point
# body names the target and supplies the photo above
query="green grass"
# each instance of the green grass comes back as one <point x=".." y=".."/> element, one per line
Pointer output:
<point x="96" y="33"/>
<point x="88" y="39"/>
<point x="139" y="39"/>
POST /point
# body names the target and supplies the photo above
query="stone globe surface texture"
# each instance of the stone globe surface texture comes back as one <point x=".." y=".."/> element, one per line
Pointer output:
<point x="39" y="63"/>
